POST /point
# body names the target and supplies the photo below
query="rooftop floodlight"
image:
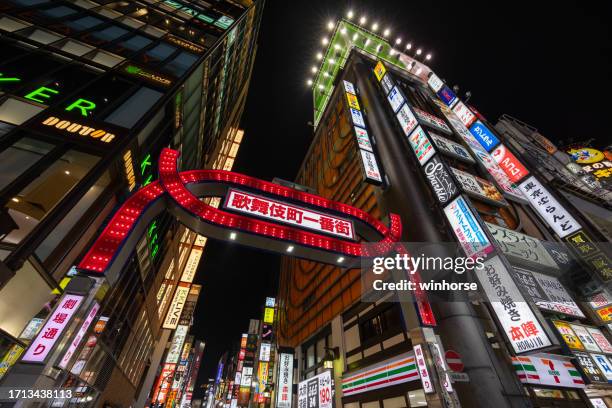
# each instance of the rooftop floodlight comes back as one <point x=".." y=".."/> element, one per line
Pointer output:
<point x="398" y="40"/>
<point x="319" y="56"/>
<point x="367" y="41"/>
<point x="343" y="30"/>
<point x="290" y="248"/>
<point x="408" y="46"/>
<point x="419" y="51"/>
<point x="309" y="82"/>
<point x="428" y="57"/>
<point x="324" y="40"/>
<point x="349" y="14"/>
<point x="321" y="86"/>
<point x="363" y="20"/>
<point x="330" y="25"/>
<point x="355" y="37"/>
<point x="326" y="74"/>
<point x="387" y="32"/>
<point x="332" y="61"/>
<point x="374" y="26"/>
<point x="337" y="46"/>
<point x="313" y="69"/>
<point x="341" y="259"/>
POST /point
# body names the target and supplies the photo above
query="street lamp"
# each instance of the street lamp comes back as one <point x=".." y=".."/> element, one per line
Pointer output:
<point x="331" y="354"/>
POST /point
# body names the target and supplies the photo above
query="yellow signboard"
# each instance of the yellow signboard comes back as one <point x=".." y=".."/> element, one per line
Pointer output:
<point x="268" y="315"/>
<point x="379" y="70"/>
<point x="586" y="155"/>
<point x="605" y="314"/>
<point x="352" y="101"/>
<point x="568" y="335"/>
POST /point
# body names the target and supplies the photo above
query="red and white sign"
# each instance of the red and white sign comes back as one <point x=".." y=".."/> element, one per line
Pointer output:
<point x="453" y="359"/>
<point x="288" y="214"/>
<point x="464" y="113"/>
<point x="79" y="336"/>
<point x="431" y="120"/>
<point x="52" y="330"/>
<point x="600" y="339"/>
<point x="424" y="374"/>
<point x="508" y="162"/>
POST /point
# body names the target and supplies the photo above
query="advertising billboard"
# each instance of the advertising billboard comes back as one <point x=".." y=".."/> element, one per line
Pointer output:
<point x="478" y="188"/>
<point x="363" y="140"/>
<point x="285" y="381"/>
<point x="316" y="392"/>
<point x="79" y="335"/>
<point x="421" y="145"/>
<point x="521" y="326"/>
<point x="549" y="208"/>
<point x="440" y="180"/>
<point x="464" y="113"/>
<point x="471" y="237"/>
<point x="513" y="168"/>
<point x="484" y="136"/>
<point x="406" y="119"/>
<point x="52" y="330"/>
<point x="396" y="99"/>
<point x="176" y="307"/>
<point x="370" y="166"/>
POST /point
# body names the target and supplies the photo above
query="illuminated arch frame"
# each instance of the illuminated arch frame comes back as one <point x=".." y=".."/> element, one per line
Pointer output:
<point x="178" y="192"/>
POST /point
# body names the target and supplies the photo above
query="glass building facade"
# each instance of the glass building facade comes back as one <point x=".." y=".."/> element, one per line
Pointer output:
<point x="90" y="92"/>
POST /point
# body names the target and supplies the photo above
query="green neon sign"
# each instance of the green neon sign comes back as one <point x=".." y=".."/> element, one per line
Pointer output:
<point x="8" y="79"/>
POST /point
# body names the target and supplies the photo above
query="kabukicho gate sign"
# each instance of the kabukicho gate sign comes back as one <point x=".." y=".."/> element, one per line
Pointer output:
<point x="255" y="213"/>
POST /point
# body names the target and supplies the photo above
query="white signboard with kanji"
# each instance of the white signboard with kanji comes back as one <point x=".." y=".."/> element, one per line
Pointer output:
<point x="52" y="330"/>
<point x="600" y="339"/>
<point x="520" y="324"/>
<point x="285" y="381"/>
<point x="423" y="372"/>
<point x="316" y="392"/>
<point x="549" y="208"/>
<point x="278" y="211"/>
<point x="435" y="83"/>
<point x="79" y="336"/>
<point x="464" y="113"/>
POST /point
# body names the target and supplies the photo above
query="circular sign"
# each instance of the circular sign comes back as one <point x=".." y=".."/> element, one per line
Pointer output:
<point x="453" y="359"/>
<point x="586" y="155"/>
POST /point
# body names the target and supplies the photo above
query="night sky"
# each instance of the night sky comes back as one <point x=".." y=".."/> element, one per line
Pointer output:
<point x="546" y="64"/>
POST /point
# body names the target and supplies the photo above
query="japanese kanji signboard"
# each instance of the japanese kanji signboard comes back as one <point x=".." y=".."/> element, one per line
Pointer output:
<point x="521" y="248"/>
<point x="549" y="208"/>
<point x="285" y="213"/>
<point x="520" y="324"/>
<point x="423" y="372"/>
<point x="285" y="381"/>
<point x="569" y="336"/>
<point x="316" y="392"/>
<point x="547" y="292"/>
<point x="52" y="330"/>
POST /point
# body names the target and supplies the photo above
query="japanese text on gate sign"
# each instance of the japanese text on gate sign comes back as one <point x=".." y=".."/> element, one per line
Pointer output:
<point x="288" y="214"/>
<point x="52" y="330"/>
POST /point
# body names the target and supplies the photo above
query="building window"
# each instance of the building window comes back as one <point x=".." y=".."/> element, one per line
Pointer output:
<point x="19" y="157"/>
<point x="34" y="202"/>
<point x="417" y="398"/>
<point x="383" y="324"/>
<point x="134" y="108"/>
<point x="15" y="111"/>
<point x="70" y="220"/>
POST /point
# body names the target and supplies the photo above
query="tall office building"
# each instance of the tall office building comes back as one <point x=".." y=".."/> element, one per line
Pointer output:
<point x="90" y="92"/>
<point x="391" y="137"/>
